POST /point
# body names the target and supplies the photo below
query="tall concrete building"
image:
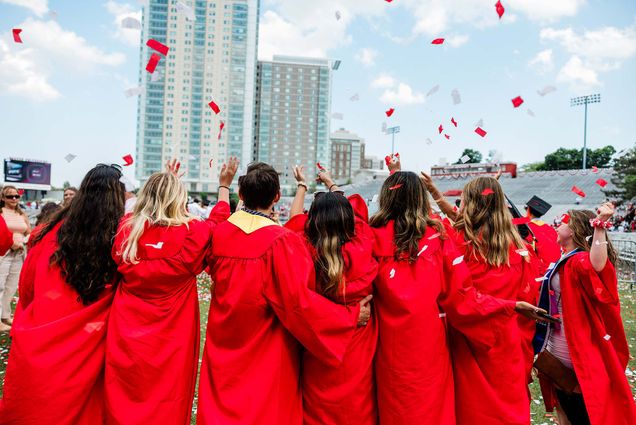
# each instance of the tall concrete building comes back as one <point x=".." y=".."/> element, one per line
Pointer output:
<point x="292" y="109"/>
<point x="210" y="58"/>
<point x="347" y="155"/>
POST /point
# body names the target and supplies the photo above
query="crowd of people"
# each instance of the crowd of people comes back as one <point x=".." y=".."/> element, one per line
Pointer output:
<point x="409" y="316"/>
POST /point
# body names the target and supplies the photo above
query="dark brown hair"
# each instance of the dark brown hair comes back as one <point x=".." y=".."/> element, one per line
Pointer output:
<point x="47" y="212"/>
<point x="259" y="186"/>
<point x="582" y="233"/>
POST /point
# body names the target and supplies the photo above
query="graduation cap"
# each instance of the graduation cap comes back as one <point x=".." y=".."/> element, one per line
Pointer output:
<point x="538" y="206"/>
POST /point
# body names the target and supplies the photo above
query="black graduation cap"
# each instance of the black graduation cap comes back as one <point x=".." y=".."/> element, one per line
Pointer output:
<point x="538" y="206"/>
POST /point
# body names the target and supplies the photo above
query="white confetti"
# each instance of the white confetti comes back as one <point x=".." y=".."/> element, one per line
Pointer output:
<point x="546" y="90"/>
<point x="422" y="250"/>
<point x="156" y="76"/>
<point x="355" y="97"/>
<point x="185" y="10"/>
<point x="429" y="141"/>
<point x="70" y="157"/>
<point x="436" y="235"/>
<point x="457" y="99"/>
<point x="606" y="337"/>
<point x="134" y="91"/>
<point x="392" y="273"/>
<point x="442" y="315"/>
<point x="458" y="260"/>
<point x="530" y="112"/>
<point x="432" y="91"/>
<point x="131" y="23"/>
<point x="539" y="279"/>
<point x="522" y="252"/>
<point x="374" y="199"/>
<point x="480" y="123"/>
<point x="338" y="15"/>
<point x="464" y="159"/>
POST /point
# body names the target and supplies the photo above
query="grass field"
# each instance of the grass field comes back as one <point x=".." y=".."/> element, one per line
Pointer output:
<point x="539" y="415"/>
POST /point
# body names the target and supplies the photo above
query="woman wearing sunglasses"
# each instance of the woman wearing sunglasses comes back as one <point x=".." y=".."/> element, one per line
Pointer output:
<point x="336" y="232"/>
<point x="11" y="263"/>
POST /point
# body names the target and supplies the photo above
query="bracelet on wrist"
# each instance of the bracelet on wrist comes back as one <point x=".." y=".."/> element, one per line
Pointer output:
<point x="303" y="184"/>
<point x="222" y="185"/>
<point x="598" y="223"/>
<point x="334" y="184"/>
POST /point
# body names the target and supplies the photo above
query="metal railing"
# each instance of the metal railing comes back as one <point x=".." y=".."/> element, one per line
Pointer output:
<point x="626" y="264"/>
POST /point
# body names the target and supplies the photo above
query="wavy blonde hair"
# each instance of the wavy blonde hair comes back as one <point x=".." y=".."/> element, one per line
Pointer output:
<point x="582" y="233"/>
<point x="162" y="201"/>
<point x="487" y="223"/>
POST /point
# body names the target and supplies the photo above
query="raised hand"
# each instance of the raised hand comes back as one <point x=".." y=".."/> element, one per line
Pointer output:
<point x="299" y="173"/>
<point x="605" y="211"/>
<point x="172" y="167"/>
<point x="228" y="171"/>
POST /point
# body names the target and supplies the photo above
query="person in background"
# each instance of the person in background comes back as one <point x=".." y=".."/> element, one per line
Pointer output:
<point x="69" y="194"/>
<point x="46" y="214"/>
<point x="11" y="263"/>
<point x="544" y="241"/>
<point x="582" y="359"/>
<point x="130" y="196"/>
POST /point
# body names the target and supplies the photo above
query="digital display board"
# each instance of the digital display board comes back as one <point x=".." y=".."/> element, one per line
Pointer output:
<point x="27" y="174"/>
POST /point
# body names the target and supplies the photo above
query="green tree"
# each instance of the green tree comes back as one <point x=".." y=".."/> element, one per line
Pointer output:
<point x="533" y="166"/>
<point x="572" y="159"/>
<point x="475" y="157"/>
<point x="624" y="177"/>
<point x="66" y="185"/>
<point x="600" y="158"/>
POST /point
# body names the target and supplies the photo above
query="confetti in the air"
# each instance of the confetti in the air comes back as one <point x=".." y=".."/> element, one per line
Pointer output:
<point x="338" y="15"/>
<point x="594" y="169"/>
<point x="481" y="131"/>
<point x="457" y="99"/>
<point x="429" y="141"/>
<point x="464" y="159"/>
<point x="578" y="191"/>
<point x="397" y="186"/>
<point x="185" y="10"/>
<point x="530" y="112"/>
<point x="156" y="76"/>
<point x="487" y="191"/>
<point x="214" y="107"/>
<point x="433" y="90"/>
<point x="453" y="121"/>
<point x="70" y="157"/>
<point x="480" y="123"/>
<point x="128" y="160"/>
<point x="440" y="128"/>
<point x="601" y="182"/>
<point x="438" y="41"/>
<point x="546" y="90"/>
<point x="607" y="337"/>
<point x="158" y="46"/>
<point x="16" y="35"/>
<point x="134" y="91"/>
<point x="499" y="8"/>
<point x="131" y="23"/>
<point x="422" y="250"/>
<point x="447" y="136"/>
<point x="390" y="112"/>
<point x="434" y="235"/>
<point x="355" y="97"/>
<point x="392" y="273"/>
<point x="517" y="101"/>
<point x="152" y="63"/>
<point x="221" y="127"/>
<point x="522" y="252"/>
<point x="458" y="260"/>
<point x="565" y="218"/>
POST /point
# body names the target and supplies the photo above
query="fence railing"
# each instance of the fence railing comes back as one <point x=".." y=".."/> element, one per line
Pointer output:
<point x="626" y="264"/>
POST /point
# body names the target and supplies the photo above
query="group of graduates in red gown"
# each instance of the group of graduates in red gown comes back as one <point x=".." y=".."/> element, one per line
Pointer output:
<point x="405" y="317"/>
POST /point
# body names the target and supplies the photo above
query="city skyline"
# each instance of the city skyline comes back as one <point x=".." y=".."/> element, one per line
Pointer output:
<point x="62" y="89"/>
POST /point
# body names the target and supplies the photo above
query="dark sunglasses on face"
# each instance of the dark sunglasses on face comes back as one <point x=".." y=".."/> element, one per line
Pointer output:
<point x="12" y="196"/>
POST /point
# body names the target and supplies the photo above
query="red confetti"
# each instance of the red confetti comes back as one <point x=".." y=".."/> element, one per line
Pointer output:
<point x="20" y="192"/>
<point x="438" y="41"/>
<point x="214" y="107"/>
<point x="520" y="220"/>
<point x="440" y="129"/>
<point x="388" y="1"/>
<point x="565" y="218"/>
<point x="320" y="167"/>
<point x="601" y="182"/>
<point x="453" y="121"/>
<point x="157" y="46"/>
<point x="210" y="163"/>
<point x="517" y="101"/>
<point x="578" y="191"/>
<point x="447" y="136"/>
<point x="152" y="63"/>
<point x="16" y="35"/>
<point x="594" y="169"/>
<point x="128" y="159"/>
<point x="390" y="112"/>
<point x="221" y="127"/>
<point x="397" y="186"/>
<point x="499" y="8"/>
<point x="487" y="191"/>
<point x="480" y="131"/>
<point x="387" y="160"/>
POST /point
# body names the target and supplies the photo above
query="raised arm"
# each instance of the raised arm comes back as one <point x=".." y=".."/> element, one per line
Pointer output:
<point x="301" y="190"/>
<point x="446" y="207"/>
<point x="225" y="178"/>
<point x="598" y="251"/>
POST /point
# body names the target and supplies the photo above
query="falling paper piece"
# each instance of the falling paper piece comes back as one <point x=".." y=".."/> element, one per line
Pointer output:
<point x="458" y="260"/>
<point x="546" y="90"/>
<point x="397" y="186"/>
<point x="16" y="35"/>
<point x="390" y="112"/>
<point x="594" y="169"/>
<point x="185" y="10"/>
<point x="152" y="63"/>
<point x="480" y="123"/>
<point x="429" y="141"/>
<point x="565" y="218"/>
<point x="601" y="182"/>
<point x="539" y="279"/>
<point x="433" y="90"/>
<point x="131" y="23"/>
<point x="128" y="160"/>
<point x="606" y="337"/>
<point x="440" y="129"/>
<point x="520" y="220"/>
<point x="70" y="157"/>
<point x="499" y="8"/>
<point x="157" y="46"/>
<point x="522" y="252"/>
<point x="392" y="273"/>
<point x="422" y="250"/>
<point x="480" y="131"/>
<point x="320" y="167"/>
<point x="433" y="236"/>
<point x="210" y="163"/>
<point x="221" y="127"/>
<point x="93" y="326"/>
<point x="156" y="76"/>
<point x="457" y="99"/>
<point x="214" y="107"/>
<point x="517" y="101"/>
<point x="529" y="111"/>
<point x="438" y="41"/>
<point x="128" y="185"/>
<point x="375" y="198"/>
<point x="337" y="116"/>
<point x="447" y="136"/>
<point x="464" y="159"/>
<point x="453" y="121"/>
<point x="191" y="158"/>
<point x="355" y="97"/>
<point x="134" y="91"/>
<point x="578" y="191"/>
<point x="487" y="191"/>
<point x="338" y="15"/>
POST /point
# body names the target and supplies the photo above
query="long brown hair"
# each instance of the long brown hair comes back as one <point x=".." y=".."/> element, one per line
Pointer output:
<point x="17" y="209"/>
<point x="330" y="224"/>
<point x="404" y="199"/>
<point x="85" y="238"/>
<point x="486" y="222"/>
<point x="582" y="232"/>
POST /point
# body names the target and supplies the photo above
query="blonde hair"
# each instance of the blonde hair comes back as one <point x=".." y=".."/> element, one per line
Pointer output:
<point x="486" y="222"/>
<point x="162" y="201"/>
<point x="17" y="208"/>
<point x="583" y="233"/>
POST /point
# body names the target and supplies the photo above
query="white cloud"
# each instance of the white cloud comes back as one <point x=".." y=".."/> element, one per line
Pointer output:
<point x="39" y="7"/>
<point x="120" y="11"/>
<point x="383" y="81"/>
<point x="457" y="40"/>
<point x="367" y="56"/>
<point x="25" y="68"/>
<point x="578" y="75"/>
<point x="542" y="62"/>
<point x="402" y="95"/>
<point x="545" y="10"/>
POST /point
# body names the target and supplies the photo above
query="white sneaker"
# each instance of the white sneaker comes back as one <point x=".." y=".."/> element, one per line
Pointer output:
<point x="4" y="328"/>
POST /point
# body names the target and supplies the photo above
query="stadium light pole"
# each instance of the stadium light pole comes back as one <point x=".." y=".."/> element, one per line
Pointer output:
<point x="584" y="100"/>
<point x="392" y="131"/>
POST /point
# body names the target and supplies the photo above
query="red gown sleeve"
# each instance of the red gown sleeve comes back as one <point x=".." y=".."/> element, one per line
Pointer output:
<point x="359" y="207"/>
<point x="468" y="310"/>
<point x="599" y="286"/>
<point x="297" y="223"/>
<point x="321" y="326"/>
<point x="6" y="237"/>
<point x="219" y="213"/>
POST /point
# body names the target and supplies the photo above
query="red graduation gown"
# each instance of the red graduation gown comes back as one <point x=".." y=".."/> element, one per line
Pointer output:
<point x="413" y="363"/>
<point x="6" y="237"/>
<point x="345" y="394"/>
<point x="153" y="330"/>
<point x="490" y="384"/>
<point x="261" y="308"/>
<point x="546" y="247"/>
<point x="597" y="343"/>
<point x="56" y="364"/>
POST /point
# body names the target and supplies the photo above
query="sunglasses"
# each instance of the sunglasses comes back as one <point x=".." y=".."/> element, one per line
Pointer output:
<point x="12" y="196"/>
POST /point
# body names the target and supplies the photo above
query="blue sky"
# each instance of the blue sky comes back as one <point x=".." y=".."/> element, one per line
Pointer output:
<point x="61" y="91"/>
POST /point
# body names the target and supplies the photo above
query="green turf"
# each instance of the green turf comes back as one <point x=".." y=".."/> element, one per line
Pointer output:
<point x="539" y="415"/>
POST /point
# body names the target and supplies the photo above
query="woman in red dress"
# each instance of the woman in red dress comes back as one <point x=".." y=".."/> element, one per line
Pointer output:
<point x="340" y="241"/>
<point x="590" y="341"/>
<point x="153" y="330"/>
<point x="56" y="363"/>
